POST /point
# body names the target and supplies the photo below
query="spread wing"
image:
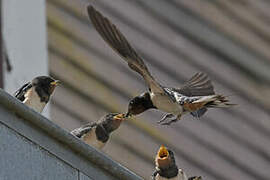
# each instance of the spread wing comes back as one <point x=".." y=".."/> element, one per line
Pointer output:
<point x="79" y="132"/>
<point x="197" y="85"/>
<point x="19" y="94"/>
<point x="117" y="41"/>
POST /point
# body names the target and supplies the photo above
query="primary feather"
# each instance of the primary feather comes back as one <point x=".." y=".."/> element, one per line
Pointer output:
<point x="117" y="41"/>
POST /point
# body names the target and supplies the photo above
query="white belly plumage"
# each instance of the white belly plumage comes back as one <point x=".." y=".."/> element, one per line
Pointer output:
<point x="91" y="139"/>
<point x="181" y="176"/>
<point x="33" y="100"/>
<point x="164" y="103"/>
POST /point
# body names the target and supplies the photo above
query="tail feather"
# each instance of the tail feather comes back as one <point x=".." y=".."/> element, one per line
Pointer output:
<point x="219" y="101"/>
<point x="199" y="107"/>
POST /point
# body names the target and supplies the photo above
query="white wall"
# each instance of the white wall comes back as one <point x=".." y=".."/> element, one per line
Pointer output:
<point x="24" y="30"/>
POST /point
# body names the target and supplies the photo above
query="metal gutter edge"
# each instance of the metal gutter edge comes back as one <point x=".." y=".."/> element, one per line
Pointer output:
<point x="53" y="130"/>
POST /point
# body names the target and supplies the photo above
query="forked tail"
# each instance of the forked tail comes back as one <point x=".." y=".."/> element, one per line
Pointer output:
<point x="213" y="101"/>
<point x="218" y="101"/>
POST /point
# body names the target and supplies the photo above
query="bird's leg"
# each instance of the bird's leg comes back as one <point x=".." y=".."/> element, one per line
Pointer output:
<point x="166" y="116"/>
<point x="174" y="119"/>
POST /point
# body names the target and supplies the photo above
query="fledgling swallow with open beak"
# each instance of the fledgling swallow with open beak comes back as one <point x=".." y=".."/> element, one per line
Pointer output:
<point x="166" y="168"/>
<point x="96" y="134"/>
<point x="195" y="96"/>
<point x="36" y="94"/>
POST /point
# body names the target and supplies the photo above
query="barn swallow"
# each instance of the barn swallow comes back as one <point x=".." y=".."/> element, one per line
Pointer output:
<point x="36" y="94"/>
<point x="166" y="168"/>
<point x="98" y="133"/>
<point x="194" y="97"/>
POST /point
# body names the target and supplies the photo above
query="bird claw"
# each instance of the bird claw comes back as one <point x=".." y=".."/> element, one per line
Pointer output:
<point x="166" y="116"/>
<point x="171" y="119"/>
<point x="170" y="122"/>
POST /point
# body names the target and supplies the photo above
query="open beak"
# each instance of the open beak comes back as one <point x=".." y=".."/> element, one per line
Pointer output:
<point x="55" y="83"/>
<point x="120" y="117"/>
<point x="163" y="152"/>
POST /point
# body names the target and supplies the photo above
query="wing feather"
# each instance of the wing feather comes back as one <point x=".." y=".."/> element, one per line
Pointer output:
<point x="79" y="132"/>
<point x="19" y="94"/>
<point x="197" y="85"/>
<point x="117" y="41"/>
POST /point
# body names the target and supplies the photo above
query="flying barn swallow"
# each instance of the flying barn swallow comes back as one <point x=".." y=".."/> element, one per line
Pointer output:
<point x="36" y="93"/>
<point x="166" y="168"/>
<point x="194" y="97"/>
<point x="98" y="133"/>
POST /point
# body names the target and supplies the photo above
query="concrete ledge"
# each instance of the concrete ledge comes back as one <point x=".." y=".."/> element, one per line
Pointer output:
<point x="59" y="142"/>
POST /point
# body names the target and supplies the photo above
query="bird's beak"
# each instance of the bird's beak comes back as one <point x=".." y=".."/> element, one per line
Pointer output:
<point x="55" y="83"/>
<point x="120" y="117"/>
<point x="128" y="115"/>
<point x="163" y="152"/>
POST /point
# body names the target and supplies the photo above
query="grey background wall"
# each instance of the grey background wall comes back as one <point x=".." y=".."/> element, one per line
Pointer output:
<point x="229" y="40"/>
<point x="24" y="34"/>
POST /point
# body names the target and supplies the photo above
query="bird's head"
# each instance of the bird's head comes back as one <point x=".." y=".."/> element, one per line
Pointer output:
<point x="112" y="121"/>
<point x="164" y="158"/>
<point x="139" y="104"/>
<point x="45" y="83"/>
<point x="166" y="166"/>
<point x="108" y="124"/>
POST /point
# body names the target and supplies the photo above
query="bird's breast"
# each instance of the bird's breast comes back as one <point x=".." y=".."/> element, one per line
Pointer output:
<point x="91" y="139"/>
<point x="164" y="103"/>
<point x="32" y="100"/>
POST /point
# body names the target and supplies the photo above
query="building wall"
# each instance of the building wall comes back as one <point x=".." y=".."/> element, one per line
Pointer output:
<point x="24" y="159"/>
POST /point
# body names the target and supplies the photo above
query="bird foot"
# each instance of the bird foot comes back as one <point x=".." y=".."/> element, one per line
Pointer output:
<point x="196" y="116"/>
<point x="166" y="116"/>
<point x="171" y="119"/>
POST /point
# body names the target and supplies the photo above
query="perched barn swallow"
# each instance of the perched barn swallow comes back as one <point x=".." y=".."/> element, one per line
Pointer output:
<point x="98" y="133"/>
<point x="194" y="97"/>
<point x="36" y="93"/>
<point x="166" y="168"/>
